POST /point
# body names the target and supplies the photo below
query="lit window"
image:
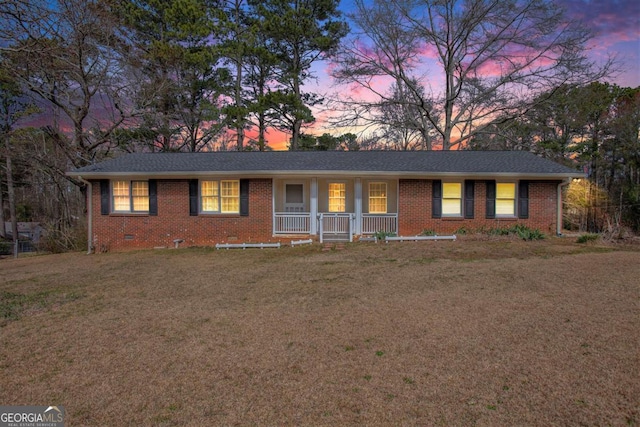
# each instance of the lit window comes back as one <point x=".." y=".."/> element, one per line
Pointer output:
<point x="121" y="201"/>
<point x="451" y="198"/>
<point x="337" y="192"/>
<point x="220" y="196"/>
<point x="378" y="197"/>
<point x="209" y="196"/>
<point x="130" y="196"/>
<point x="140" y="196"/>
<point x="505" y="199"/>
<point x="230" y="196"/>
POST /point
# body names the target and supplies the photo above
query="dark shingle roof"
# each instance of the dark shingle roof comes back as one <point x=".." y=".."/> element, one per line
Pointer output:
<point x="326" y="162"/>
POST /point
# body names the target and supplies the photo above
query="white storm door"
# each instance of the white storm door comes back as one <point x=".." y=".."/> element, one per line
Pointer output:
<point x="294" y="198"/>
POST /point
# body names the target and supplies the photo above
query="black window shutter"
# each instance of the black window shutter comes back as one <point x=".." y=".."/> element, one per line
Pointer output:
<point x="153" y="197"/>
<point x="105" y="197"/>
<point x="469" y="187"/>
<point x="491" y="199"/>
<point x="436" y="199"/>
<point x="523" y="199"/>
<point x="244" y="197"/>
<point x="193" y="197"/>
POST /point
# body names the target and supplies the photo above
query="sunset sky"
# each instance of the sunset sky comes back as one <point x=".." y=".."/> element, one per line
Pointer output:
<point x="616" y="26"/>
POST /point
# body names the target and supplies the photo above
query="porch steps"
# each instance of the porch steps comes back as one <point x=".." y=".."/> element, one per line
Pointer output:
<point x="327" y="246"/>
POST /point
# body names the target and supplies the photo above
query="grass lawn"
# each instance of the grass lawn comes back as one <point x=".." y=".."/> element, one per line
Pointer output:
<point x="473" y="332"/>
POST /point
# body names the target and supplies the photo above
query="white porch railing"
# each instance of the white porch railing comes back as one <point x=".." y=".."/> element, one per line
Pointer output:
<point x="336" y="226"/>
<point x="291" y="223"/>
<point x="333" y="223"/>
<point x="372" y="223"/>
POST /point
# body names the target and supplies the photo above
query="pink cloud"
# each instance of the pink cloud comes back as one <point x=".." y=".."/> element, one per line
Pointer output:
<point x="428" y="51"/>
<point x="612" y="21"/>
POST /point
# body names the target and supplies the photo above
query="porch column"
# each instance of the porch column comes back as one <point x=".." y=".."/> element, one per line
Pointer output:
<point x="313" y="207"/>
<point x="358" y="206"/>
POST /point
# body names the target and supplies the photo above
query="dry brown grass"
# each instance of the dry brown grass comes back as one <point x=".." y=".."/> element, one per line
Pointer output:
<point x="473" y="332"/>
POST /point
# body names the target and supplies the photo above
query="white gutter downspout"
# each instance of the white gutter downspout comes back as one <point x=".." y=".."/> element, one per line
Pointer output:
<point x="89" y="214"/>
<point x="564" y="183"/>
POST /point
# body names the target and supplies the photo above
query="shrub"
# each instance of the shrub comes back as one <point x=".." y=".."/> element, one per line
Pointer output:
<point x="381" y="235"/>
<point x="589" y="237"/>
<point x="520" y="230"/>
<point x="498" y="231"/>
<point x="529" y="234"/>
<point x="462" y="231"/>
<point x="59" y="240"/>
<point x="426" y="232"/>
<point x="6" y="247"/>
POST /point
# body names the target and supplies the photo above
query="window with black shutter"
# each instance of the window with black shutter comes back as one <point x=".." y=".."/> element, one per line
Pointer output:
<point x="105" y="197"/>
<point x="244" y="197"/>
<point x="469" y="194"/>
<point x="491" y="199"/>
<point x="523" y="199"/>
<point x="436" y="202"/>
<point x="153" y="197"/>
<point x="193" y="197"/>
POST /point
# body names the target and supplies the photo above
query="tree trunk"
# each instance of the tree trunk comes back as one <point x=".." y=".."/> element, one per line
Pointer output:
<point x="295" y="136"/>
<point x="12" y="198"/>
<point x="262" y="129"/>
<point x="297" y="122"/>
<point x="239" y="117"/>
<point x="2" y="228"/>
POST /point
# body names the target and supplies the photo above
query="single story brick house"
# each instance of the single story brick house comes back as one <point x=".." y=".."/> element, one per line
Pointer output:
<point x="155" y="199"/>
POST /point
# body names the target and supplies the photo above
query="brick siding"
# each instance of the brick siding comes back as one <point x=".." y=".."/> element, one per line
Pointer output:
<point x="130" y="231"/>
<point x="415" y="209"/>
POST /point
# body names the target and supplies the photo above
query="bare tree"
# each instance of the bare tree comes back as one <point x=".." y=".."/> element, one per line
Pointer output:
<point x="70" y="60"/>
<point x="401" y="120"/>
<point x="379" y="62"/>
<point x="493" y="58"/>
<point x="12" y="108"/>
<point x="15" y="18"/>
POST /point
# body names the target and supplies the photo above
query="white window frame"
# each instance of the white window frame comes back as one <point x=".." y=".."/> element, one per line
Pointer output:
<point x="513" y="200"/>
<point x="219" y="197"/>
<point x="459" y="213"/>
<point x="384" y="197"/>
<point x="132" y="202"/>
<point x="330" y="197"/>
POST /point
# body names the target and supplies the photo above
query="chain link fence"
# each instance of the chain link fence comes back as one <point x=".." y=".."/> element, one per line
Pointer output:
<point x="7" y="247"/>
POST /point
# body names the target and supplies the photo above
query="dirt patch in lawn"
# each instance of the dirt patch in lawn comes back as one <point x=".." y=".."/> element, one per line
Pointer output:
<point x="472" y="332"/>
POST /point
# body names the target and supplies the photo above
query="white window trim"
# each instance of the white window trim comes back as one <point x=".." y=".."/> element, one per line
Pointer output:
<point x="461" y="199"/>
<point x="386" y="197"/>
<point x="131" y="210"/>
<point x="219" y="211"/>
<point x="329" y="196"/>
<point x="515" y="200"/>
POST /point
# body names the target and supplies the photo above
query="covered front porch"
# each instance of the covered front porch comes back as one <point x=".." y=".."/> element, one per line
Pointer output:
<point x="335" y="208"/>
